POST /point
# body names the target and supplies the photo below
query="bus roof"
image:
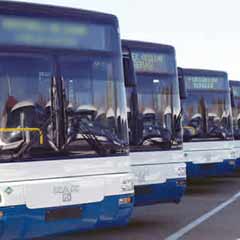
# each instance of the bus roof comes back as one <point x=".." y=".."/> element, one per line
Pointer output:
<point x="204" y="72"/>
<point x="32" y="9"/>
<point x="234" y="83"/>
<point x="148" y="46"/>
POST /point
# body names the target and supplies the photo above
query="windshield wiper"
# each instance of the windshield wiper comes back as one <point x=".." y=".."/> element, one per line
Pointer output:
<point x="194" y="128"/>
<point x="218" y="127"/>
<point x="218" y="131"/>
<point x="95" y="139"/>
<point x="162" y="137"/>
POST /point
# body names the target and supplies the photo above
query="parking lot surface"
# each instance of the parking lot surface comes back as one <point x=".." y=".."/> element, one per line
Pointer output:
<point x="209" y="210"/>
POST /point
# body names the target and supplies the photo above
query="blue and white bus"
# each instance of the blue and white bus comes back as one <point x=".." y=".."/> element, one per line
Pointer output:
<point x="235" y="94"/>
<point x="207" y="123"/>
<point x="154" y="122"/>
<point x="64" y="152"/>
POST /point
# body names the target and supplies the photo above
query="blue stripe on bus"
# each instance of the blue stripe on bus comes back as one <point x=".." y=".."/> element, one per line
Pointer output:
<point x="227" y="167"/>
<point x="238" y="164"/>
<point x="20" y="222"/>
<point x="170" y="191"/>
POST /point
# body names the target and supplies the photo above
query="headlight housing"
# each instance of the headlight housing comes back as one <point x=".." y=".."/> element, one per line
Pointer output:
<point x="127" y="185"/>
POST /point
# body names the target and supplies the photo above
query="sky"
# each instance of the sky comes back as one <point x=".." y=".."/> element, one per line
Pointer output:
<point x="205" y="33"/>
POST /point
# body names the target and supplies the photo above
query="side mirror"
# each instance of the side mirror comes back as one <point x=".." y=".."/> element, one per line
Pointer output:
<point x="182" y="87"/>
<point x="129" y="73"/>
<point x="233" y="103"/>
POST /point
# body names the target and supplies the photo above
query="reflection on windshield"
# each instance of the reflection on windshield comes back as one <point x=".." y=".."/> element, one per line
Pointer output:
<point x="95" y="104"/>
<point x="207" y="114"/>
<point x="158" y="106"/>
<point x="95" y="123"/>
<point x="236" y="118"/>
<point x="24" y="96"/>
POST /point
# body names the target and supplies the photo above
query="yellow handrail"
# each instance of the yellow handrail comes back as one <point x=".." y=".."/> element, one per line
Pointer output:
<point x="191" y="129"/>
<point x="25" y="130"/>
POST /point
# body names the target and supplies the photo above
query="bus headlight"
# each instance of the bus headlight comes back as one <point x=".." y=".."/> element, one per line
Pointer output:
<point x="181" y="171"/>
<point x="124" y="201"/>
<point x="231" y="162"/>
<point x="1" y="214"/>
<point x="127" y="185"/>
<point x="2" y="200"/>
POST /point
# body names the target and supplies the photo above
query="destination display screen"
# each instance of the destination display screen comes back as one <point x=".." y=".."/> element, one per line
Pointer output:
<point x="39" y="32"/>
<point x="236" y="91"/>
<point x="154" y="62"/>
<point x="205" y="83"/>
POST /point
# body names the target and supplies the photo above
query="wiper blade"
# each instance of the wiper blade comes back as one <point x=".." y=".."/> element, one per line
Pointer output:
<point x="95" y="139"/>
<point x="217" y="131"/>
<point x="163" y="137"/>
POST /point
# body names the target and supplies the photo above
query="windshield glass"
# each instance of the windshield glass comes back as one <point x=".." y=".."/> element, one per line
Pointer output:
<point x="95" y="104"/>
<point x="207" y="110"/>
<point x="236" y="111"/>
<point x="24" y="102"/>
<point x="70" y="103"/>
<point x="158" y="103"/>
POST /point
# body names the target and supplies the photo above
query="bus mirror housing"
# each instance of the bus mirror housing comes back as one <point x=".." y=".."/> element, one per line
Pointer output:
<point x="233" y="103"/>
<point x="129" y="73"/>
<point x="182" y="87"/>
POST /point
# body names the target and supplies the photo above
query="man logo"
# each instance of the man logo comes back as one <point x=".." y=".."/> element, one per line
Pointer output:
<point x="66" y="191"/>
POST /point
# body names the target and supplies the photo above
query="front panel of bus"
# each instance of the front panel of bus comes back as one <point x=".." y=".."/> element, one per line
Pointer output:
<point x="91" y="78"/>
<point x="207" y="108"/>
<point x="63" y="133"/>
<point x="207" y="121"/>
<point x="158" y="103"/>
<point x="155" y="125"/>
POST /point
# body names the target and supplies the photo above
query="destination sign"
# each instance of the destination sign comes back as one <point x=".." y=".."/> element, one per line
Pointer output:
<point x="42" y="32"/>
<point x="154" y="62"/>
<point x="205" y="83"/>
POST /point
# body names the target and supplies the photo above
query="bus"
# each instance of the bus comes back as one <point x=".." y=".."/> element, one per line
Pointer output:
<point x="207" y="123"/>
<point x="64" y="149"/>
<point x="154" y="119"/>
<point x="235" y="99"/>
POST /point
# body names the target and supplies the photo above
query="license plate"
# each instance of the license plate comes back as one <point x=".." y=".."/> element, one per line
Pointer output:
<point x="63" y="213"/>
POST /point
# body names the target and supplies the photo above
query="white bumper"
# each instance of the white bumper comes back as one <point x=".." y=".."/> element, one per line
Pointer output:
<point x="237" y="148"/>
<point x="157" y="167"/>
<point x="208" y="152"/>
<point x="64" y="183"/>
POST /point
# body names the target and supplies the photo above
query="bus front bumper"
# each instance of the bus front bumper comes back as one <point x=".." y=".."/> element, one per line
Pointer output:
<point x="170" y="191"/>
<point x="194" y="170"/>
<point x="238" y="164"/>
<point x="20" y="222"/>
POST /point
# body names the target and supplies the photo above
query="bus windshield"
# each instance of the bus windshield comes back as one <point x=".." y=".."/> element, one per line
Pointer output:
<point x="207" y="111"/>
<point x="157" y="98"/>
<point x="236" y="110"/>
<point x="95" y="104"/>
<point x="70" y="101"/>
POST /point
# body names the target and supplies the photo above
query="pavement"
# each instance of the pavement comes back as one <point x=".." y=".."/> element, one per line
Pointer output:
<point x="209" y="210"/>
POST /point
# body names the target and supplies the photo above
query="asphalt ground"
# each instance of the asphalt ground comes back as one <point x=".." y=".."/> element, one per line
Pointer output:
<point x="209" y="210"/>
